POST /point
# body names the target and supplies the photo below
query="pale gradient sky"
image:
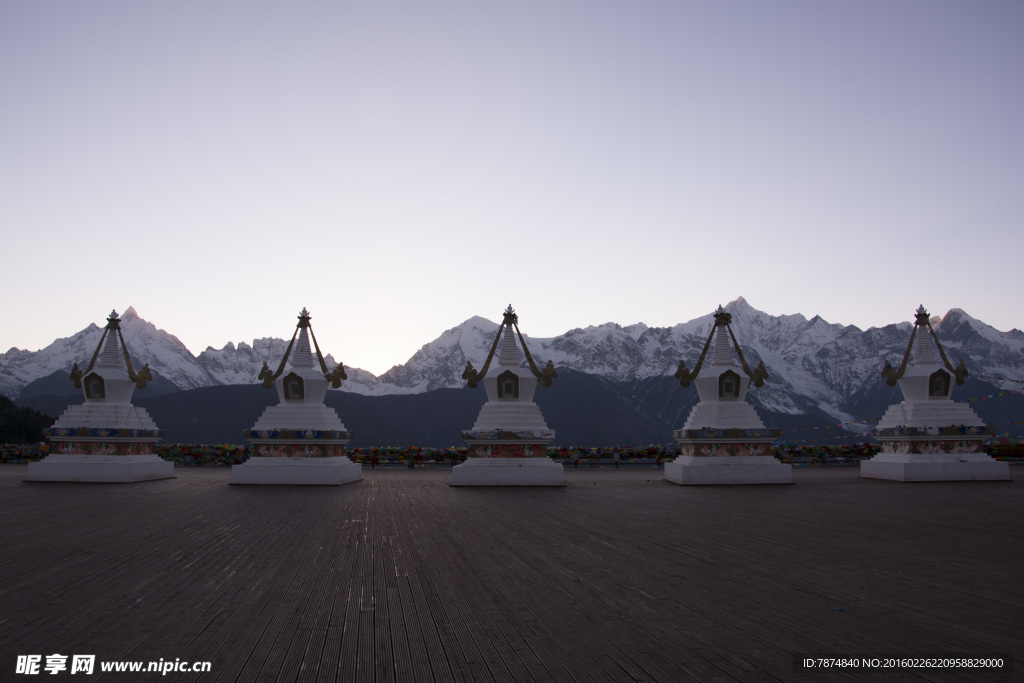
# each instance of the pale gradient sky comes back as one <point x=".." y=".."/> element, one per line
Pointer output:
<point x="398" y="167"/>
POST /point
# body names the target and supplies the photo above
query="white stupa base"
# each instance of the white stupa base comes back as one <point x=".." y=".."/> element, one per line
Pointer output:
<point x="935" y="467"/>
<point x="114" y="416"/>
<point x="511" y="416"/>
<point x="114" y="469"/>
<point x="308" y="471"/>
<point x="723" y="415"/>
<point x="925" y="414"/>
<point x="727" y="469"/>
<point x="299" y="416"/>
<point x="508" y="472"/>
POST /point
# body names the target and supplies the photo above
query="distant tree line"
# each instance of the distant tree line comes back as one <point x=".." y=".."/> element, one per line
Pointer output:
<point x="21" y="425"/>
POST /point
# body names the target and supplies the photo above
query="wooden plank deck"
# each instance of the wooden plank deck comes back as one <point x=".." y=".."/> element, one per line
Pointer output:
<point x="619" y="576"/>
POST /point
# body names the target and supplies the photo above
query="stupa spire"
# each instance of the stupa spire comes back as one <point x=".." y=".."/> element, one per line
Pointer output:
<point x="924" y="351"/>
<point x="924" y="347"/>
<point x="927" y="343"/>
<point x="509" y="356"/>
<point x="110" y="355"/>
<point x="722" y="354"/>
<point x="302" y="356"/>
<point x="510" y="322"/>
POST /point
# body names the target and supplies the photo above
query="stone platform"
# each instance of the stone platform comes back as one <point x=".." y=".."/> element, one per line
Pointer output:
<point x="297" y="470"/>
<point x="727" y="456"/>
<point x="939" y="467"/>
<point x="542" y="471"/>
<point x="298" y="456"/>
<point x="115" y="469"/>
<point x="952" y="453"/>
<point x="94" y="454"/>
<point x="725" y="469"/>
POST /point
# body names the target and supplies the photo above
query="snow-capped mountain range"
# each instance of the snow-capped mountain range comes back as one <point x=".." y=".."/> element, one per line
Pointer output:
<point x="810" y="362"/>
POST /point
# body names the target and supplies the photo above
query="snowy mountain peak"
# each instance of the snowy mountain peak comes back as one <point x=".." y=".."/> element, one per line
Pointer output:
<point x="130" y="313"/>
<point x="957" y="328"/>
<point x="479" y="322"/>
<point x="955" y="315"/>
<point x="635" y="330"/>
<point x="739" y="304"/>
<point x="603" y="327"/>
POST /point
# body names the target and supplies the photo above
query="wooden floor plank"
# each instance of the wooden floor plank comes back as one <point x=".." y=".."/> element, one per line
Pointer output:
<point x="618" y="576"/>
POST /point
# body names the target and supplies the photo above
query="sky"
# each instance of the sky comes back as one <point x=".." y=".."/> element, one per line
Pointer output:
<point x="400" y="166"/>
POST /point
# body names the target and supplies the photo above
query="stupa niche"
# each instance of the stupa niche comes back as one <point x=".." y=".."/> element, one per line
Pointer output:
<point x="928" y="436"/>
<point x="105" y="439"/>
<point x="508" y="442"/>
<point x="299" y="440"/>
<point x="723" y="440"/>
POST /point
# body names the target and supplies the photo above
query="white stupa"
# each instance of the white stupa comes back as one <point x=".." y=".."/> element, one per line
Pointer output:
<point x="723" y="440"/>
<point x="299" y="440"/>
<point x="105" y="439"/>
<point x="508" y="442"/>
<point x="928" y="436"/>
